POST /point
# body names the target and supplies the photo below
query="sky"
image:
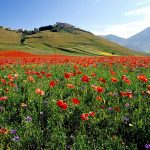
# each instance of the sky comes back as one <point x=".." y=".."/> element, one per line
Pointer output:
<point x="123" y="18"/>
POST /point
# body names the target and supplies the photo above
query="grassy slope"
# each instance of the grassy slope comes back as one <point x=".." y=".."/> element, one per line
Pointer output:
<point x="77" y="43"/>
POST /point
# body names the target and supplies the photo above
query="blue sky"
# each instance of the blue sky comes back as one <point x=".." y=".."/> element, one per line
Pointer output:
<point x="120" y="17"/>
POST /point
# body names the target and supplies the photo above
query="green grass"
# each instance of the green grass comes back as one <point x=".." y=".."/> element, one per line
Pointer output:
<point x="74" y="43"/>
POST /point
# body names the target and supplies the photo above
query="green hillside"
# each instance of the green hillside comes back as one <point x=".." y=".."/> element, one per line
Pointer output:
<point x="75" y="42"/>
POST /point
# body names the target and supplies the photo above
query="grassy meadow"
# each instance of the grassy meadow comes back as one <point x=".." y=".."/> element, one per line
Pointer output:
<point x="75" y="103"/>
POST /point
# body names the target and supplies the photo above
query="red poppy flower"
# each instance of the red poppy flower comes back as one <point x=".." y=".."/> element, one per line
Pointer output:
<point x="93" y="74"/>
<point x="99" y="98"/>
<point x="75" y="67"/>
<point x="52" y="84"/>
<point x="99" y="89"/>
<point x="40" y="92"/>
<point x="92" y="113"/>
<point x="11" y="84"/>
<point x="84" y="116"/>
<point x="102" y="80"/>
<point x="3" y="131"/>
<point x="85" y="78"/>
<point x="75" y="101"/>
<point x="125" y="79"/>
<point x="48" y="75"/>
<point x="70" y="86"/>
<point x="62" y="104"/>
<point x="78" y="72"/>
<point x="148" y="87"/>
<point x="142" y="78"/>
<point x="67" y="75"/>
<point x="113" y="79"/>
<point x="3" y="81"/>
<point x="128" y="94"/>
<point x="3" y="98"/>
<point x="112" y="72"/>
<point x="31" y="79"/>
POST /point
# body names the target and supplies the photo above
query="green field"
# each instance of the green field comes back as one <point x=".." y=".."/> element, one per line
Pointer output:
<point x="68" y="43"/>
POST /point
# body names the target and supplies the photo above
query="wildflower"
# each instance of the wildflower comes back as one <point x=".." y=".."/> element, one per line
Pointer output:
<point x="39" y="91"/>
<point x="13" y="131"/>
<point x="62" y="104"/>
<point x="75" y="101"/>
<point x="3" y="81"/>
<point x="113" y="79"/>
<point x="99" y="89"/>
<point x="147" y="146"/>
<point x="3" y="130"/>
<point x="112" y="72"/>
<point x="28" y="119"/>
<point x="70" y="86"/>
<point x="99" y="98"/>
<point x="85" y="78"/>
<point x="48" y="75"/>
<point x="142" y="78"/>
<point x="16" y="138"/>
<point x="67" y="75"/>
<point x="31" y="79"/>
<point x="92" y="113"/>
<point x="84" y="116"/>
<point x="52" y="84"/>
<point x="110" y="108"/>
<point x="102" y="80"/>
<point x="148" y="87"/>
<point x="78" y="72"/>
<point x="3" y="98"/>
<point x="125" y="79"/>
<point x="127" y="94"/>
<point x="93" y="74"/>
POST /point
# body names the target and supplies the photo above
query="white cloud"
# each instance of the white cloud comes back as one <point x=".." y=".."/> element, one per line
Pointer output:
<point x="128" y="29"/>
<point x="144" y="11"/>
<point x="125" y="30"/>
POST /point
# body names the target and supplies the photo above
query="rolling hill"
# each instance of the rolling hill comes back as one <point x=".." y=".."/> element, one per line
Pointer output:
<point x="74" y="42"/>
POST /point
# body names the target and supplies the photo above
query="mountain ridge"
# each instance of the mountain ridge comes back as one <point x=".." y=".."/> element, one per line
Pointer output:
<point x="140" y="41"/>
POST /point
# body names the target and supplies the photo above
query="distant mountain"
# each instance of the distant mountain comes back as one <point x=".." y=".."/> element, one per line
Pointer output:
<point x="116" y="39"/>
<point x="139" y="41"/>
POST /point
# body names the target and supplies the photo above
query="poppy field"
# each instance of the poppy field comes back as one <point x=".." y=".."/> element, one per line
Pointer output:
<point x="74" y="103"/>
